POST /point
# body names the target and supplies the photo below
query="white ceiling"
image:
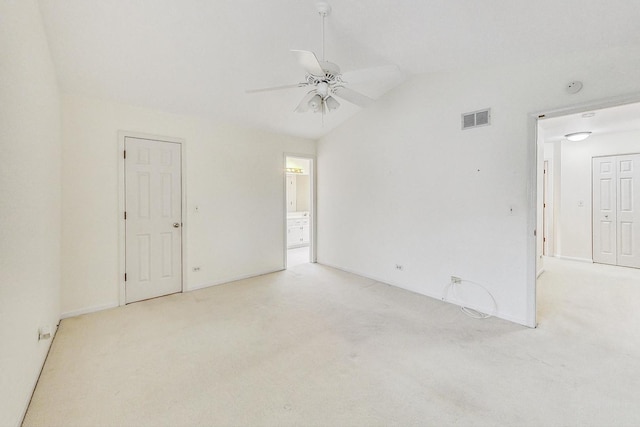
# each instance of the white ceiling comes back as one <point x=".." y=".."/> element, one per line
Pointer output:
<point x="197" y="57"/>
<point x="622" y="118"/>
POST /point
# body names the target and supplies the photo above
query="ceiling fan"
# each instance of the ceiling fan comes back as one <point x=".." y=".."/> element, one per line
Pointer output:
<point x="323" y="79"/>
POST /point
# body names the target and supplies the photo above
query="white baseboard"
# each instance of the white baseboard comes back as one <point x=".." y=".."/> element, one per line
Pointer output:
<point x="232" y="279"/>
<point x="499" y="315"/>
<point x="570" y="258"/>
<point x="93" y="309"/>
<point x="87" y="310"/>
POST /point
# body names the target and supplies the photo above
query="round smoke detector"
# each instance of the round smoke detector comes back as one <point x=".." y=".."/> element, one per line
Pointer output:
<point x="574" y="87"/>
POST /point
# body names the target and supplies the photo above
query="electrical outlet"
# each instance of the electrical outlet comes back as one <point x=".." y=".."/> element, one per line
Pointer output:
<point x="399" y="267"/>
<point x="456" y="280"/>
<point x="196" y="269"/>
<point x="44" y="333"/>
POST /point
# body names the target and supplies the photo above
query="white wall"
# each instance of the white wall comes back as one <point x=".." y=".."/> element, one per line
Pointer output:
<point x="401" y="183"/>
<point x="234" y="175"/>
<point x="303" y="193"/>
<point x="574" y="229"/>
<point x="553" y="155"/>
<point x="29" y="203"/>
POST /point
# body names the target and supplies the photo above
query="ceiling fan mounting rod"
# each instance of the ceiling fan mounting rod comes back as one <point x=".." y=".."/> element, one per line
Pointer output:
<point x="323" y="15"/>
<point x="323" y="9"/>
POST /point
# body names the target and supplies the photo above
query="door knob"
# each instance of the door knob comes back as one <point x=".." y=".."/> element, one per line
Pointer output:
<point x="176" y="224"/>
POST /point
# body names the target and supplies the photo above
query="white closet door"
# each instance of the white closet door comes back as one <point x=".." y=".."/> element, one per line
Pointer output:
<point x="628" y="235"/>
<point x="153" y="190"/>
<point x="604" y="210"/>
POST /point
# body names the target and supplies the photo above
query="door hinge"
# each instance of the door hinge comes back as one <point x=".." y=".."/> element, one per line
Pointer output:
<point x="124" y="154"/>
<point x="125" y="214"/>
<point x="125" y="277"/>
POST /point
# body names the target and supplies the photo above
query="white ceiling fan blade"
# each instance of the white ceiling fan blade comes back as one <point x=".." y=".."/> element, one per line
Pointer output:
<point x="303" y="107"/>
<point x="269" y="89"/>
<point x="309" y="62"/>
<point x="352" y="96"/>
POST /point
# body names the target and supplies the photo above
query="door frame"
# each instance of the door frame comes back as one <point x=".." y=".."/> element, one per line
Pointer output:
<point x="547" y="208"/>
<point x="535" y="164"/>
<point x="121" y="206"/>
<point x="312" y="207"/>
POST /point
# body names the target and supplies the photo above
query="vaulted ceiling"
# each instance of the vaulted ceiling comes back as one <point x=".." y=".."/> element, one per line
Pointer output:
<point x="198" y="57"/>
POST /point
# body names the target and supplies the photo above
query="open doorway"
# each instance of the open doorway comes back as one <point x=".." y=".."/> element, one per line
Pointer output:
<point x="571" y="188"/>
<point x="568" y="189"/>
<point x="299" y="197"/>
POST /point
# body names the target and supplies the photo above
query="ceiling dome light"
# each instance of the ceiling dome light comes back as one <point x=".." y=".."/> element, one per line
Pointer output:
<point x="577" y="136"/>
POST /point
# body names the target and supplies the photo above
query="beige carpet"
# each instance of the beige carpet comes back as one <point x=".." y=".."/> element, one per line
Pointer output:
<point x="297" y="256"/>
<point x="312" y="346"/>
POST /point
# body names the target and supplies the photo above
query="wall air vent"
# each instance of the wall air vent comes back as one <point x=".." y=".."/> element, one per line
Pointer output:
<point x="475" y="119"/>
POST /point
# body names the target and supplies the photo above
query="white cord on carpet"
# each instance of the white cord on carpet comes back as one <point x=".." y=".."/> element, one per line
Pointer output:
<point x="475" y="314"/>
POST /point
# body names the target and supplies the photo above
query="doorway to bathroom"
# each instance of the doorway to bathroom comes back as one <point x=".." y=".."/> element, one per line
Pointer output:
<point x="299" y="186"/>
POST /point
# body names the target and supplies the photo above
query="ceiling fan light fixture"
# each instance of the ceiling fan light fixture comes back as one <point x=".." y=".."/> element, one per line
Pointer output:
<point x="315" y="103"/>
<point x="332" y="103"/>
<point x="577" y="136"/>
<point x="323" y="89"/>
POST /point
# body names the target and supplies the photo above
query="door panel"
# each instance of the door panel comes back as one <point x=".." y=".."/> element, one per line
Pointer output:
<point x="153" y="200"/>
<point x="604" y="202"/>
<point x="628" y="210"/>
<point x="607" y="236"/>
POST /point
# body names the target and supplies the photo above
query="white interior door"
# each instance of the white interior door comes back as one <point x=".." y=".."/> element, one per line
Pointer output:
<point x="628" y="233"/>
<point x="153" y="212"/>
<point x="616" y="217"/>
<point x="604" y="210"/>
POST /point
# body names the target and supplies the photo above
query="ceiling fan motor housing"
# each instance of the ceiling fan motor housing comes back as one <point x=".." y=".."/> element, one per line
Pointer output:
<point x="330" y="68"/>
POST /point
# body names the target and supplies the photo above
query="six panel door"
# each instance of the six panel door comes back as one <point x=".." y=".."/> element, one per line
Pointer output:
<point x="153" y="200"/>
<point x="616" y="214"/>
<point x="604" y="210"/>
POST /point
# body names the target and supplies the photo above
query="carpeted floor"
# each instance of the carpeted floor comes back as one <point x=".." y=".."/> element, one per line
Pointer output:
<point x="297" y="256"/>
<point x="313" y="346"/>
